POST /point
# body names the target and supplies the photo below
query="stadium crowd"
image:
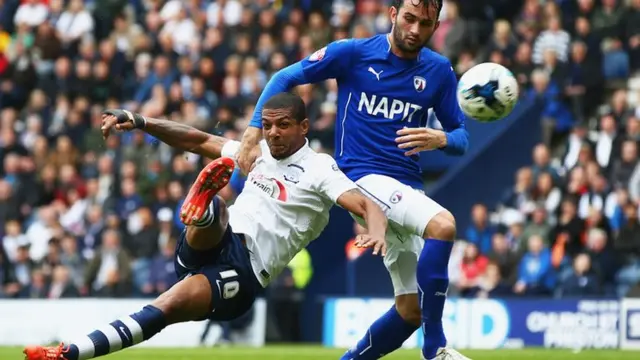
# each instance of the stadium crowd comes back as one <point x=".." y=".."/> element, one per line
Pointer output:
<point x="569" y="226"/>
<point x="83" y="217"/>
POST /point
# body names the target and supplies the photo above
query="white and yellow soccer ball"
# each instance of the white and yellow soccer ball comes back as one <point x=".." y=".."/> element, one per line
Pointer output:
<point x="487" y="92"/>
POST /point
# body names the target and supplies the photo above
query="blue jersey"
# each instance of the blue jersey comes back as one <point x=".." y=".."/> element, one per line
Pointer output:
<point x="379" y="94"/>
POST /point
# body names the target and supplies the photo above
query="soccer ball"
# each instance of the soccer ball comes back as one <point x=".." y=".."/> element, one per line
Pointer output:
<point x="487" y="92"/>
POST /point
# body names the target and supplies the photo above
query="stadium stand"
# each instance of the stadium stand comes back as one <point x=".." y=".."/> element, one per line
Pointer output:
<point x="569" y="225"/>
<point x="84" y="217"/>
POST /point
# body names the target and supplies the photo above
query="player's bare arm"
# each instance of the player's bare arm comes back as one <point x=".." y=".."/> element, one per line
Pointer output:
<point x="172" y="133"/>
<point x="358" y="204"/>
<point x="249" y="148"/>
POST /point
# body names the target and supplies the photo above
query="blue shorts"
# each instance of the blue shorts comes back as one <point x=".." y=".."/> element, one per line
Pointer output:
<point x="234" y="287"/>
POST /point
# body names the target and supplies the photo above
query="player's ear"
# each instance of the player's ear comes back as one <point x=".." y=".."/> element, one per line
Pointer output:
<point x="393" y="14"/>
<point x="304" y="126"/>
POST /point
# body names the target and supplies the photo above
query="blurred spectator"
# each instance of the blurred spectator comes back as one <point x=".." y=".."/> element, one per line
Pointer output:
<point x="583" y="281"/>
<point x="627" y="244"/>
<point x="109" y="273"/>
<point x="504" y="258"/>
<point x="539" y="224"/>
<point x="480" y="232"/>
<point x="62" y="285"/>
<point x="163" y="274"/>
<point x="603" y="259"/>
<point x="473" y="267"/>
<point x="9" y="285"/>
<point x="491" y="284"/>
<point x="536" y="276"/>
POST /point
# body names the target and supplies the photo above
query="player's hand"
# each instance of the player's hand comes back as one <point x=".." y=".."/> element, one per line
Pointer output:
<point x="416" y="140"/>
<point x="120" y="120"/>
<point x="247" y="158"/>
<point x="379" y="245"/>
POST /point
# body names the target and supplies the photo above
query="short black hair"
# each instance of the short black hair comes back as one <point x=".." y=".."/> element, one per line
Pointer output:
<point x="437" y="3"/>
<point x="287" y="100"/>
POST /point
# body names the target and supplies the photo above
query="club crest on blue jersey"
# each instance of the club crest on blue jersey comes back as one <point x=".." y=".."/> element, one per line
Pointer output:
<point x="318" y="55"/>
<point x="419" y="83"/>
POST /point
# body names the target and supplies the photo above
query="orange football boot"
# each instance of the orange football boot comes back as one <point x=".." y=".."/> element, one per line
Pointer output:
<point x="210" y="181"/>
<point x="45" y="352"/>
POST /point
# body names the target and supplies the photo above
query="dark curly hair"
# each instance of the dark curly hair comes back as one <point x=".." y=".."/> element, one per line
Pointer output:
<point x="437" y="3"/>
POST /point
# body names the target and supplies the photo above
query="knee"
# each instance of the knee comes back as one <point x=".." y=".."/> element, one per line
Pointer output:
<point x="442" y="227"/>
<point x="408" y="308"/>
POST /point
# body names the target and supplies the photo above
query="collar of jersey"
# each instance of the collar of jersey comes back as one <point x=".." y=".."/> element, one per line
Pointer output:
<point x="295" y="157"/>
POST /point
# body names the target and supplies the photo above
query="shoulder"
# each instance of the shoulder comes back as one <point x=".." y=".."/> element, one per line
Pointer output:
<point x="432" y="58"/>
<point x="321" y="162"/>
<point x="361" y="46"/>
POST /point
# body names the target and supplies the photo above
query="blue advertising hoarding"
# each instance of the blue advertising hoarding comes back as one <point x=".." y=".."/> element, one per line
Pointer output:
<point x="630" y="324"/>
<point x="490" y="323"/>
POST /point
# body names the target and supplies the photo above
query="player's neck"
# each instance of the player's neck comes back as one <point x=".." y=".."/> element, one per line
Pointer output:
<point x="395" y="50"/>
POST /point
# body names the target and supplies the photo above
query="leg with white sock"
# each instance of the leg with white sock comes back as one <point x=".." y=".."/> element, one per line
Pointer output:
<point x="191" y="299"/>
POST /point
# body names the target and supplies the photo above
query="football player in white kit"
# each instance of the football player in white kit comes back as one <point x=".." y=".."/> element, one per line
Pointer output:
<point x="225" y="255"/>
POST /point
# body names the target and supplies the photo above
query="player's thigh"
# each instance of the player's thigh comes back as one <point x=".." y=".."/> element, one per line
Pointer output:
<point x="401" y="261"/>
<point x="187" y="300"/>
<point x="407" y="207"/>
<point x="232" y="284"/>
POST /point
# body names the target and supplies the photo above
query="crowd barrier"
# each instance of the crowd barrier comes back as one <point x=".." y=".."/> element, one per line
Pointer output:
<point x="28" y="322"/>
<point x="493" y="324"/>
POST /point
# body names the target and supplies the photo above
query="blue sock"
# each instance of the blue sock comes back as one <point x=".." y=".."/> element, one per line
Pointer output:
<point x="118" y="335"/>
<point x="433" y="281"/>
<point x="385" y="335"/>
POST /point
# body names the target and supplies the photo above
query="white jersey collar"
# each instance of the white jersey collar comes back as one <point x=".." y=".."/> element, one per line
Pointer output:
<point x="295" y="157"/>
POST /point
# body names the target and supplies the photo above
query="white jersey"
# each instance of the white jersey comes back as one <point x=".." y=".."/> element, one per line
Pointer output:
<point x="285" y="205"/>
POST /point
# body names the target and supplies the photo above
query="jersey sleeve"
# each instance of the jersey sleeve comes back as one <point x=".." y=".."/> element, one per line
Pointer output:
<point x="450" y="115"/>
<point x="330" y="62"/>
<point x="331" y="181"/>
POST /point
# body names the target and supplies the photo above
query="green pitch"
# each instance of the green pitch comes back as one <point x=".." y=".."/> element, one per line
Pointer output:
<point x="316" y="352"/>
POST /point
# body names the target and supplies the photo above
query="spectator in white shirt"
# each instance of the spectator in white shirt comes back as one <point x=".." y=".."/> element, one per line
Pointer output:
<point x="607" y="145"/>
<point x="554" y="38"/>
<point x="75" y="22"/>
<point x="224" y="12"/>
<point x="183" y="32"/>
<point x="32" y="13"/>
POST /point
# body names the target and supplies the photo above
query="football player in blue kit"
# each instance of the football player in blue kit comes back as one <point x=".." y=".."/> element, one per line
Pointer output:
<point x="386" y="84"/>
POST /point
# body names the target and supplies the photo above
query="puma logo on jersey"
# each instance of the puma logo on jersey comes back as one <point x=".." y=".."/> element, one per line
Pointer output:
<point x="388" y="108"/>
<point x="377" y="74"/>
<point x="271" y="186"/>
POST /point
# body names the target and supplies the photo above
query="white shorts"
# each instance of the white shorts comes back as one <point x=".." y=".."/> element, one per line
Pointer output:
<point x="409" y="212"/>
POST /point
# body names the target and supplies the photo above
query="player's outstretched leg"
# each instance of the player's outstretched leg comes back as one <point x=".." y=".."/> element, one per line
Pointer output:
<point x="433" y="283"/>
<point x="188" y="300"/>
